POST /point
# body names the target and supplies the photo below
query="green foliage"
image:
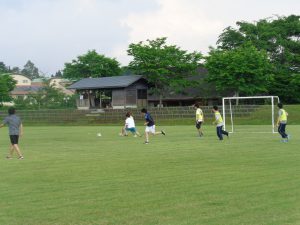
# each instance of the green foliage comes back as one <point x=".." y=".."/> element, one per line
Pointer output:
<point x="48" y="97"/>
<point x="243" y="70"/>
<point x="91" y="64"/>
<point x="30" y="70"/>
<point x="58" y="74"/>
<point x="3" y="68"/>
<point x="15" y="70"/>
<point x="280" y="38"/>
<point x="165" y="66"/>
<point x="7" y="84"/>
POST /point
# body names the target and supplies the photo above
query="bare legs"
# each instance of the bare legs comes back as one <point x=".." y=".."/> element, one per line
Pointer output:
<point x="14" y="147"/>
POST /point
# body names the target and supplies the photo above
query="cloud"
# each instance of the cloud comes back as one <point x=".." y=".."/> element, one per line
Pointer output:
<point x="183" y="23"/>
<point x="196" y="24"/>
<point x="52" y="32"/>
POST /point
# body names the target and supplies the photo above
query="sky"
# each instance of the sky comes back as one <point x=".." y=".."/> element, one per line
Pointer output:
<point x="53" y="32"/>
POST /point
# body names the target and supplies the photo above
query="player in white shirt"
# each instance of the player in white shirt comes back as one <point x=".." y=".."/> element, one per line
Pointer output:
<point x="129" y="126"/>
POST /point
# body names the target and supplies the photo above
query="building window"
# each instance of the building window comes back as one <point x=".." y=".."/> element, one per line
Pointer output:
<point x="25" y="81"/>
<point x="142" y="93"/>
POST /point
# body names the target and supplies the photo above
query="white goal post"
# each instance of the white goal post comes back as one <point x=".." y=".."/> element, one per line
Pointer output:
<point x="272" y="98"/>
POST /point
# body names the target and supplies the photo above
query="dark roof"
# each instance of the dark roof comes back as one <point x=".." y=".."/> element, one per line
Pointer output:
<point x="105" y="82"/>
<point x="27" y="88"/>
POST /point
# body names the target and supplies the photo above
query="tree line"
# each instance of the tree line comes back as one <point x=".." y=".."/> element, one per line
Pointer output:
<point x="256" y="58"/>
<point x="250" y="59"/>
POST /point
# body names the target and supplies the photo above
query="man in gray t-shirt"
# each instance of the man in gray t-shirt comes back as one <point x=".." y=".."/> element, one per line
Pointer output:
<point x="15" y="130"/>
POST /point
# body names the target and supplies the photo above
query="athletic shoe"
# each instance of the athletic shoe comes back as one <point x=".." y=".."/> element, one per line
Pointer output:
<point x="8" y="157"/>
<point x="21" y="157"/>
<point x="163" y="132"/>
<point x="288" y="136"/>
<point x="146" y="142"/>
<point x="135" y="135"/>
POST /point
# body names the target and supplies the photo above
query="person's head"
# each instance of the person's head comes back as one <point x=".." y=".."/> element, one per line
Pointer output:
<point x="11" y="111"/>
<point x="280" y="106"/>
<point x="128" y="114"/>
<point x="197" y="105"/>
<point x="215" y="108"/>
<point x="144" y="110"/>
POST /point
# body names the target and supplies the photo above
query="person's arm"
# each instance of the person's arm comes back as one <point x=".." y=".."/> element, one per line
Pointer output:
<point x="278" y="118"/>
<point x="216" y="120"/>
<point x="4" y="122"/>
<point x="147" y="120"/>
<point x="277" y="123"/>
<point x="197" y="116"/>
<point x="21" y="130"/>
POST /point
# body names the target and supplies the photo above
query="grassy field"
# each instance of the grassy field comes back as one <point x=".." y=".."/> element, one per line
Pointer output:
<point x="72" y="177"/>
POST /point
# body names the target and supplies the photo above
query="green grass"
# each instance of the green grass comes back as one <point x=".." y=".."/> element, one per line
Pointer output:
<point x="72" y="177"/>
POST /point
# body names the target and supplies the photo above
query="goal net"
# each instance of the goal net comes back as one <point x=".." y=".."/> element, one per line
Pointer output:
<point x="250" y="114"/>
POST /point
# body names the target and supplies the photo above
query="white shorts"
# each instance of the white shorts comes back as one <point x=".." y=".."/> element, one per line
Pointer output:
<point x="150" y="129"/>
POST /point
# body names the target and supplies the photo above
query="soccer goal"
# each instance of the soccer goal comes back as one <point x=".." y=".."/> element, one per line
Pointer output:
<point x="238" y="112"/>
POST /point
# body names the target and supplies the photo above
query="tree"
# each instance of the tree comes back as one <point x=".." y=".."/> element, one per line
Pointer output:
<point x="47" y="97"/>
<point x="7" y="84"/>
<point x="91" y="64"/>
<point x="280" y="38"/>
<point x="166" y="67"/>
<point x="3" y="68"/>
<point x="58" y="74"/>
<point x="15" y="70"/>
<point x="30" y="70"/>
<point x="242" y="71"/>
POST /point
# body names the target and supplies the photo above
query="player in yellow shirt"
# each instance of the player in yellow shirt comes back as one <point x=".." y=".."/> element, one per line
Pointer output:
<point x="219" y="122"/>
<point x="281" y="122"/>
<point x="199" y="119"/>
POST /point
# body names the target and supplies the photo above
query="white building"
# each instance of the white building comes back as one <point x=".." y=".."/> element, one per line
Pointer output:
<point x="21" y="80"/>
<point x="61" y="84"/>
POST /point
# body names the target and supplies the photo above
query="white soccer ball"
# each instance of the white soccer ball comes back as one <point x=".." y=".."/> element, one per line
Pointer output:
<point x="99" y="135"/>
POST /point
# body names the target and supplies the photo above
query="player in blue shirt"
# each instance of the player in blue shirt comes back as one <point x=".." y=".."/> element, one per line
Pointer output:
<point x="150" y="125"/>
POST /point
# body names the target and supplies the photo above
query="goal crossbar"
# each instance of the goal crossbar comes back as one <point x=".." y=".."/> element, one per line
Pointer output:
<point x="248" y="97"/>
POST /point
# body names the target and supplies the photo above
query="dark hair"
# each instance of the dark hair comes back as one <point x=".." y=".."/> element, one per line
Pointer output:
<point x="128" y="114"/>
<point x="280" y="105"/>
<point x="144" y="110"/>
<point x="11" y="111"/>
<point x="215" y="107"/>
<point x="197" y="105"/>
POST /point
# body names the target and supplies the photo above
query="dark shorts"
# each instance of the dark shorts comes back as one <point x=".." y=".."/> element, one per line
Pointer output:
<point x="14" y="139"/>
<point x="198" y="125"/>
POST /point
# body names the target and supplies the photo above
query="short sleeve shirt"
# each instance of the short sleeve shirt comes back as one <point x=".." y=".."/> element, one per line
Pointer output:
<point x="280" y="112"/>
<point x="13" y="122"/>
<point x="130" y="122"/>
<point x="149" y="119"/>
<point x="199" y="115"/>
<point x="219" y="119"/>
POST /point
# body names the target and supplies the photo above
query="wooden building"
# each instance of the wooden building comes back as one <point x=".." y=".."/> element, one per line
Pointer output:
<point x="111" y="92"/>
